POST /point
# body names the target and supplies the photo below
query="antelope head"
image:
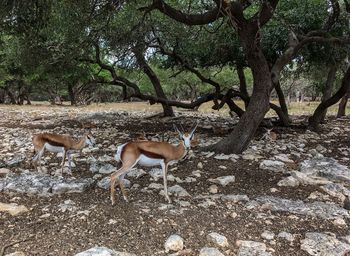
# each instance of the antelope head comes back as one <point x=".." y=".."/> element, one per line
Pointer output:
<point x="186" y="137"/>
<point x="89" y="140"/>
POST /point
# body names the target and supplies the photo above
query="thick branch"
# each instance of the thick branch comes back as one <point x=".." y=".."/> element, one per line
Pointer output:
<point x="189" y="19"/>
<point x="295" y="45"/>
<point x="315" y="119"/>
<point x="185" y="65"/>
<point x="266" y="12"/>
<point x="334" y="15"/>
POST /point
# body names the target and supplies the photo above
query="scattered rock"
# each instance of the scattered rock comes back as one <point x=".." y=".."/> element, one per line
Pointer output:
<point x="287" y="236"/>
<point x="156" y="174"/>
<point x="13" y="208"/>
<point x="321" y="148"/>
<point x="102" y="167"/>
<point x="104" y="183"/>
<point x="200" y="165"/>
<point x="273" y="165"/>
<point x="288" y="182"/>
<point x="249" y="248"/>
<point x="235" y="198"/>
<point x="327" y="168"/>
<point x="213" y="189"/>
<point x="16" y="254"/>
<point x="307" y="180"/>
<point x="67" y="205"/>
<point x="136" y="173"/>
<point x="222" y="157"/>
<point x="226" y="157"/>
<point x="268" y="235"/>
<point x="178" y="191"/>
<point x="322" y="244"/>
<point x="251" y="157"/>
<point x="103" y="251"/>
<point x="44" y="184"/>
<point x="156" y="186"/>
<point x="105" y="158"/>
<point x="337" y="190"/>
<point x="339" y="222"/>
<point x="284" y="158"/>
<point x="319" y="209"/>
<point x="15" y="160"/>
<point x="210" y="251"/>
<point x="174" y="243"/>
<point x="217" y="239"/>
<point x="4" y="171"/>
<point x="72" y="186"/>
<point x="224" y="180"/>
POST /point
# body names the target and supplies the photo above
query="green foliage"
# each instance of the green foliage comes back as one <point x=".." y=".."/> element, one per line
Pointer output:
<point x="45" y="45"/>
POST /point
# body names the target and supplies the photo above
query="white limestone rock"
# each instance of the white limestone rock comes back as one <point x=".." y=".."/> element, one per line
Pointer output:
<point x="103" y="251"/>
<point x="210" y="251"/>
<point x="319" y="244"/>
<point x="273" y="165"/>
<point x="217" y="239"/>
<point x="174" y="243"/>
<point x="13" y="208"/>
<point x="223" y="180"/>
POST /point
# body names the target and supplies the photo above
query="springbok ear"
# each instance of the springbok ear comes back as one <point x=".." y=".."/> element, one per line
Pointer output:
<point x="194" y="129"/>
<point x="177" y="130"/>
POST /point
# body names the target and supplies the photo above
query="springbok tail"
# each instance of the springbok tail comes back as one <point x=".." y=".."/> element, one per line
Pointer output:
<point x="117" y="155"/>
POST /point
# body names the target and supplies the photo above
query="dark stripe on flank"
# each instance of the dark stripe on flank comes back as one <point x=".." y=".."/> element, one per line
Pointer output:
<point x="54" y="143"/>
<point x="151" y="154"/>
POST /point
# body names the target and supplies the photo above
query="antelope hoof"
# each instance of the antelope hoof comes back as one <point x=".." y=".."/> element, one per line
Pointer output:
<point x="112" y="201"/>
<point x="168" y="199"/>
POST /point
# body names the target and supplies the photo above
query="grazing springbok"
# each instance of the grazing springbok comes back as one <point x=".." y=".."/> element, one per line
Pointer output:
<point x="149" y="153"/>
<point x="57" y="143"/>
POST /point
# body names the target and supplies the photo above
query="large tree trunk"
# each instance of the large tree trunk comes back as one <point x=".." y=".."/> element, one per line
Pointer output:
<point x="71" y="93"/>
<point x="2" y="96"/>
<point x="316" y="118"/>
<point x="342" y="105"/>
<point x="239" y="139"/>
<point x="11" y="96"/>
<point x="327" y="92"/>
<point x="243" y="85"/>
<point x="167" y="110"/>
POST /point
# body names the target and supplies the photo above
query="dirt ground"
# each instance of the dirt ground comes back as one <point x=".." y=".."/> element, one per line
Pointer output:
<point x="142" y="225"/>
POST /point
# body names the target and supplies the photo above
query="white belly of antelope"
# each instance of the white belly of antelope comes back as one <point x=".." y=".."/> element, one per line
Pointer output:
<point x="147" y="161"/>
<point x="53" y="149"/>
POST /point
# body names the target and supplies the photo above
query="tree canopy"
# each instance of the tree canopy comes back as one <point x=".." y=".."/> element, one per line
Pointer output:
<point x="177" y="53"/>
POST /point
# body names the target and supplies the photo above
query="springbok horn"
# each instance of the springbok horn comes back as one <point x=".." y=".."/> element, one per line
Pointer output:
<point x="182" y="129"/>
<point x="176" y="129"/>
<point x="194" y="129"/>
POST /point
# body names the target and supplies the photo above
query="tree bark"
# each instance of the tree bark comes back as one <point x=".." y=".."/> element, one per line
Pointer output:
<point x="342" y="105"/>
<point x="243" y="132"/>
<point x="281" y="98"/>
<point x="167" y="110"/>
<point x="243" y="84"/>
<point x="316" y="118"/>
<point x="327" y="92"/>
<point x="281" y="111"/>
<point x="71" y="93"/>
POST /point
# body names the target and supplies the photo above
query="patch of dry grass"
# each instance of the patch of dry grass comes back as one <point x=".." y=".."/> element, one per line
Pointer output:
<point x="295" y="108"/>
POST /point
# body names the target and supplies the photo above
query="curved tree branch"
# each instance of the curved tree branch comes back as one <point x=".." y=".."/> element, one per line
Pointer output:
<point x="189" y="19"/>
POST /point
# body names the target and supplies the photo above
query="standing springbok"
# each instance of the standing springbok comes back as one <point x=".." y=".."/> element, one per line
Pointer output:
<point x="149" y="153"/>
<point x="57" y="143"/>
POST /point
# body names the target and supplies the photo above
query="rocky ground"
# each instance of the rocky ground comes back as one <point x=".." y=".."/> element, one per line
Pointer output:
<point x="281" y="197"/>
